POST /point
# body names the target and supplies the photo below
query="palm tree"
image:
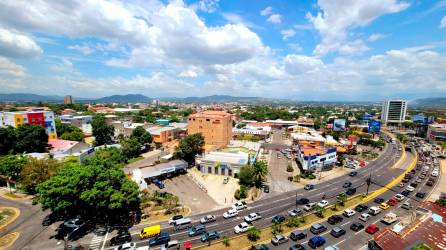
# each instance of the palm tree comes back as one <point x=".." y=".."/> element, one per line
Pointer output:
<point x="260" y="170"/>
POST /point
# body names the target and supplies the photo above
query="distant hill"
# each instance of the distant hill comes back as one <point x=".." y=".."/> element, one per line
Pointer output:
<point x="221" y="99"/>
<point x="26" y="97"/>
<point x="429" y="102"/>
<point x="124" y="98"/>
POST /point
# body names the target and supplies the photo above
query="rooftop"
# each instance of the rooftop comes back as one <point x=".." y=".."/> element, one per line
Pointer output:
<point x="211" y="114"/>
<point x="224" y="157"/>
<point x="61" y="145"/>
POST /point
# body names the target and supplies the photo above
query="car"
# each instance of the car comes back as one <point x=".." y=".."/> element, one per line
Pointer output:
<point x="361" y="207"/>
<point x="309" y="187"/>
<point x="405" y="193"/>
<point x="266" y="189"/>
<point x="175" y="218"/>
<point x="318" y="228"/>
<point x="121" y="239"/>
<point x="162" y="238"/>
<point x="197" y="230"/>
<point x="405" y="180"/>
<point x="353" y="173"/>
<point x="399" y="197"/>
<point x="429" y="183"/>
<point x="406" y="205"/>
<point x="211" y="235"/>
<point x="316" y="241"/>
<point x="127" y="246"/>
<point x="302" y="201"/>
<point x="278" y="219"/>
<point x="384" y="206"/>
<point x="49" y="219"/>
<point x="208" y="219"/>
<point x="401" y="184"/>
<point x="421" y="195"/>
<point x="261" y="247"/>
<point x="378" y="200"/>
<point x="334" y="219"/>
<point x="351" y="191"/>
<point x="410" y="188"/>
<point x="434" y="173"/>
<point x="295" y="212"/>
<point x="337" y="232"/>
<point x="347" y="184"/>
<point x="356" y="226"/>
<point x="331" y="248"/>
<point x="241" y="228"/>
<point x="297" y="247"/>
<point x="414" y="184"/>
<point x="173" y="244"/>
<point x="392" y="202"/>
<point x="310" y="206"/>
<point x="73" y="224"/>
<point x="372" y="229"/>
<point x="349" y="213"/>
<point x="418" y="180"/>
<point x="422" y="176"/>
<point x="279" y="239"/>
<point x="252" y="217"/>
<point x="365" y="217"/>
<point x="298" y="235"/>
<point x="230" y="213"/>
<point x="323" y="203"/>
<point x="239" y="205"/>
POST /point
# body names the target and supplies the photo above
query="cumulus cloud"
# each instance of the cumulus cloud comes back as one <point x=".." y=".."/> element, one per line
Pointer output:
<point x="443" y="22"/>
<point x="84" y="48"/>
<point x="335" y="19"/>
<point x="208" y="6"/>
<point x="10" y="68"/>
<point x="267" y="11"/>
<point x="15" y="44"/>
<point x="375" y="37"/>
<point x="288" y="33"/>
<point x="274" y="18"/>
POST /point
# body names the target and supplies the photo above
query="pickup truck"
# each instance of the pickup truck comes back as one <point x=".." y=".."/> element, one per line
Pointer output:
<point x="389" y="218"/>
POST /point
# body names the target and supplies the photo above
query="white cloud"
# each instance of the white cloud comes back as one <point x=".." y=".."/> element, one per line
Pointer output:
<point x="375" y="37"/>
<point x="237" y="19"/>
<point x="267" y="11"/>
<point x="84" y="48"/>
<point x="443" y="22"/>
<point x="295" y="46"/>
<point x="209" y="6"/>
<point x="336" y="18"/>
<point x="288" y="33"/>
<point x="275" y="18"/>
<point x="10" y="68"/>
<point x="298" y="64"/>
<point x="15" y="44"/>
<point x="354" y="47"/>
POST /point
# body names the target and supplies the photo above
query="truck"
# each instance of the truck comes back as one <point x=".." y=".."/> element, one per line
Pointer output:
<point x="389" y="218"/>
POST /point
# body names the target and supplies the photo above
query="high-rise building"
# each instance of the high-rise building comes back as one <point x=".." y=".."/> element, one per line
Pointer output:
<point x="216" y="127"/>
<point x="43" y="118"/>
<point x="393" y="111"/>
<point x="68" y="99"/>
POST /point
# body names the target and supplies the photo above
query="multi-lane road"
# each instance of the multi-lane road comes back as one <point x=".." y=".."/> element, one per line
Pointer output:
<point x="381" y="170"/>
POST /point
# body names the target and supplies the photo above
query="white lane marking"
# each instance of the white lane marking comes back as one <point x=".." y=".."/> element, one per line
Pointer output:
<point x="105" y="241"/>
<point x="346" y="223"/>
<point x="340" y="242"/>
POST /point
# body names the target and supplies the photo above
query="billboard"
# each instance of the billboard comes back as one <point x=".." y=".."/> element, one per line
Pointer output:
<point x="339" y="125"/>
<point x="374" y="127"/>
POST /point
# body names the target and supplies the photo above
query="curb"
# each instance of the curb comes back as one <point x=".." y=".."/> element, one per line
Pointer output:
<point x="13" y="218"/>
<point x="16" y="234"/>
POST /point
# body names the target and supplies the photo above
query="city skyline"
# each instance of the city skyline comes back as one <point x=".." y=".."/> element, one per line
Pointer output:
<point x="317" y="50"/>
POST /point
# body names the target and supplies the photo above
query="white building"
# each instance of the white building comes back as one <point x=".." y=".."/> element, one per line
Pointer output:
<point x="316" y="157"/>
<point x="394" y="111"/>
<point x="221" y="163"/>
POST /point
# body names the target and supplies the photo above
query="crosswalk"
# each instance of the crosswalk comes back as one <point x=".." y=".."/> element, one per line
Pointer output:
<point x="96" y="242"/>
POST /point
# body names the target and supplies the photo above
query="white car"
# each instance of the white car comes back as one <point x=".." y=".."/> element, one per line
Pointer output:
<point x="252" y="217"/>
<point x="127" y="246"/>
<point x="241" y="228"/>
<point x="310" y="206"/>
<point x="207" y="219"/>
<point x="230" y="213"/>
<point x="400" y="197"/>
<point x="239" y="205"/>
<point x="434" y="173"/>
<point x="410" y="188"/>
<point x="349" y="213"/>
<point x="323" y="203"/>
<point x="365" y="217"/>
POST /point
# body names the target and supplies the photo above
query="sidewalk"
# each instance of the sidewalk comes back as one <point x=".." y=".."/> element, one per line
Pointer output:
<point x="440" y="186"/>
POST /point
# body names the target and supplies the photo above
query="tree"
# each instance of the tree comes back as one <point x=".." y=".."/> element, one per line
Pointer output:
<point x="226" y="241"/>
<point x="189" y="147"/>
<point x="246" y="175"/>
<point x="11" y="166"/>
<point x="142" y="135"/>
<point x="342" y="197"/>
<point x="276" y="228"/>
<point x="73" y="136"/>
<point x="63" y="128"/>
<point x="7" y="139"/>
<point x="293" y="221"/>
<point x="320" y="211"/>
<point x="37" y="171"/>
<point x="130" y="147"/>
<point x="442" y="145"/>
<point x="260" y="171"/>
<point x="253" y="234"/>
<point x="102" y="132"/>
<point x="30" y="138"/>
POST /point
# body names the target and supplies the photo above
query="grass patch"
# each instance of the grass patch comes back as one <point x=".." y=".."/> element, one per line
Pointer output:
<point x="12" y="195"/>
<point x="5" y="214"/>
<point x="135" y="159"/>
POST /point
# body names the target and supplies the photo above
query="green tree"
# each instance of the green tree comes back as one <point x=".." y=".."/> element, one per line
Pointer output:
<point x="320" y="212"/>
<point x="226" y="241"/>
<point x="36" y="171"/>
<point x="246" y="175"/>
<point x="130" y="147"/>
<point x="7" y="140"/>
<point x="342" y="197"/>
<point x="293" y="221"/>
<point x="63" y="128"/>
<point x="260" y="171"/>
<point x="189" y="147"/>
<point x="11" y="166"/>
<point x="73" y="136"/>
<point x="142" y="135"/>
<point x="276" y="228"/>
<point x="102" y="132"/>
<point x="30" y="138"/>
<point x="253" y="234"/>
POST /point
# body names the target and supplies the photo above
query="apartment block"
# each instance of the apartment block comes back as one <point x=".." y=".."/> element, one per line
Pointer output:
<point x="216" y="127"/>
<point x="40" y="117"/>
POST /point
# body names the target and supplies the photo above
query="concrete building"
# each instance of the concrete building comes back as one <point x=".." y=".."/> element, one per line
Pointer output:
<point x="393" y="111"/>
<point x="68" y="99"/>
<point x="81" y="121"/>
<point x="216" y="127"/>
<point x="313" y="155"/>
<point x="37" y="116"/>
<point x="436" y="132"/>
<point x="221" y="163"/>
<point x="144" y="176"/>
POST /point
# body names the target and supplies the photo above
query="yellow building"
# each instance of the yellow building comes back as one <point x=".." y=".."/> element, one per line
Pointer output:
<point x="216" y="127"/>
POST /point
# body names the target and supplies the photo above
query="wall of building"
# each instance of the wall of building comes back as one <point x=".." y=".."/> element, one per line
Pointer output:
<point x="216" y="129"/>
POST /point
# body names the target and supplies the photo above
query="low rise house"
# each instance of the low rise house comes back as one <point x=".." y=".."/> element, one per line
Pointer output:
<point x="222" y="163"/>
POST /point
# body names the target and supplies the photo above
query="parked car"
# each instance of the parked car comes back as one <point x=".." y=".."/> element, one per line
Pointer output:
<point x="279" y="239"/>
<point x="127" y="246"/>
<point x="208" y="219"/>
<point x="302" y="201"/>
<point x="429" y="183"/>
<point x="211" y="235"/>
<point x="365" y="217"/>
<point x="378" y="200"/>
<point x="414" y="184"/>
<point x="349" y="213"/>
<point x="241" y="228"/>
<point x="309" y="187"/>
<point x="310" y="206"/>
<point x="420" y="195"/>
<point x="318" y="228"/>
<point x="297" y="247"/>
<point x="384" y="206"/>
<point x="356" y="226"/>
<point x="399" y="197"/>
<point x="361" y="207"/>
<point x="230" y="213"/>
<point x="371" y="229"/>
<point x="434" y="173"/>
<point x="278" y="219"/>
<point x="405" y="193"/>
<point x="334" y="219"/>
<point x="298" y="235"/>
<point x="295" y="212"/>
<point x="323" y="203"/>
<point x="337" y="232"/>
<point x="316" y="241"/>
<point x="351" y="191"/>
<point x="406" y="205"/>
<point x="392" y="202"/>
<point x="173" y="244"/>
<point x="252" y="217"/>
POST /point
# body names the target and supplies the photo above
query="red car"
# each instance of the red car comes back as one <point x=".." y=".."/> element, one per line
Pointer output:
<point x="371" y="229"/>
<point x="392" y="201"/>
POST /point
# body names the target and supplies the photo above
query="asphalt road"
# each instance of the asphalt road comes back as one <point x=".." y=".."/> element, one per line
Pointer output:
<point x="281" y="203"/>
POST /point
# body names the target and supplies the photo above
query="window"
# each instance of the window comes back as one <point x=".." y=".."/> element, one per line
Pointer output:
<point x="209" y="170"/>
<point x="216" y="170"/>
<point x="229" y="172"/>
<point x="208" y="120"/>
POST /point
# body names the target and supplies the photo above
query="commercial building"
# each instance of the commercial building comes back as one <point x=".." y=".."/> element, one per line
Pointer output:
<point x="40" y="117"/>
<point x="143" y="176"/>
<point x="394" y="111"/>
<point x="215" y="126"/>
<point x="68" y="99"/>
<point x="436" y="132"/>
<point x="312" y="156"/>
<point x="221" y="163"/>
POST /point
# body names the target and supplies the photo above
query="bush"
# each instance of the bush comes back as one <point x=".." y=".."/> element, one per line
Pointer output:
<point x="276" y="228"/>
<point x="296" y="178"/>
<point x="226" y="241"/>
<point x="289" y="168"/>
<point x="290" y="178"/>
<point x="241" y="193"/>
<point x="253" y="234"/>
<point x="293" y="222"/>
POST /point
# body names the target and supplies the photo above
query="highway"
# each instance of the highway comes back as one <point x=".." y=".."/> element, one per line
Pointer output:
<point x="281" y="203"/>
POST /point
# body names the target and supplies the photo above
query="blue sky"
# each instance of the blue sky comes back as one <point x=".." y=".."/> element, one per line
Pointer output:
<point x="304" y="50"/>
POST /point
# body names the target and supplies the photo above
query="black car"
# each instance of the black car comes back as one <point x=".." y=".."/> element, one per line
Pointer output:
<point x="266" y="189"/>
<point x="297" y="247"/>
<point x="353" y="173"/>
<point x="337" y="232"/>
<point x="334" y="219"/>
<point x="405" y="193"/>
<point x="120" y="239"/>
<point x="356" y="226"/>
<point x="378" y="200"/>
<point x="361" y="207"/>
<point x="309" y="187"/>
<point x="351" y="191"/>
<point x="278" y="219"/>
<point x="421" y="195"/>
<point x="302" y="201"/>
<point x="298" y="235"/>
<point x="261" y="247"/>
<point x="414" y="184"/>
<point x="347" y="184"/>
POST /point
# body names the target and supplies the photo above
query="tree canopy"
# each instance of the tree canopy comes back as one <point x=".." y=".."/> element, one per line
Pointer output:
<point x="12" y="165"/>
<point x="25" y="138"/>
<point x="130" y="147"/>
<point x="142" y="135"/>
<point x="36" y="171"/>
<point x="102" y="132"/>
<point x="189" y="147"/>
